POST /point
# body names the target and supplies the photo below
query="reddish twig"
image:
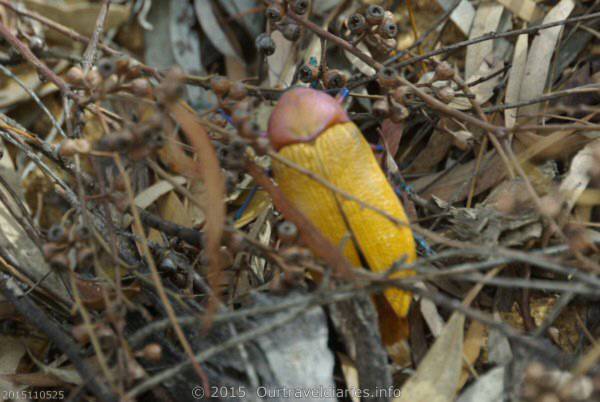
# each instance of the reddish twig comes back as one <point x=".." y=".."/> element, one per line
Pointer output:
<point x="32" y="58"/>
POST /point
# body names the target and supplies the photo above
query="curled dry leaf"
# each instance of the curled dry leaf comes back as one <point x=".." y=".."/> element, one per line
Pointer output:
<point x="149" y="195"/>
<point x="583" y="166"/>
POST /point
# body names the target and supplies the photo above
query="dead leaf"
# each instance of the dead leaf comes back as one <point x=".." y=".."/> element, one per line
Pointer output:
<point x="462" y="16"/>
<point x="540" y="57"/>
<point x="281" y="63"/>
<point x="78" y="15"/>
<point x="214" y="26"/>
<point x="525" y="9"/>
<point x="474" y="341"/>
<point x="12" y="351"/>
<point x="15" y="241"/>
<point x="149" y="195"/>
<point x="487" y="19"/>
<point x="436" y="378"/>
<point x="580" y="173"/>
<point x="515" y="79"/>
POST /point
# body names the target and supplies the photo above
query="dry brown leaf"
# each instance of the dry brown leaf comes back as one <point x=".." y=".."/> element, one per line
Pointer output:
<point x="484" y="90"/>
<point x="436" y="378"/>
<point x="515" y="79"/>
<point x="432" y="154"/>
<point x="525" y="9"/>
<point x="579" y="176"/>
<point x="540" y="57"/>
<point x="12" y="93"/>
<point x="15" y="241"/>
<point x="260" y="201"/>
<point x="474" y="341"/>
<point x="214" y="26"/>
<point x="149" y="195"/>
<point x="558" y="145"/>
<point x="487" y="19"/>
<point x="455" y="185"/>
<point x="78" y="15"/>
<point x="462" y="16"/>
<point x="12" y="351"/>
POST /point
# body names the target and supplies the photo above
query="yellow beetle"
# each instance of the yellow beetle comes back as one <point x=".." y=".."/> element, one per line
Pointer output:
<point x="312" y="129"/>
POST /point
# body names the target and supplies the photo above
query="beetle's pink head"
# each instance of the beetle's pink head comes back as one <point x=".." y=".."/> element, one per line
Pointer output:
<point x="301" y="115"/>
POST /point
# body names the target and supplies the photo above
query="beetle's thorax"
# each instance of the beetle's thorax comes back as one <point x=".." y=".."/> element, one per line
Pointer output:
<point x="301" y="115"/>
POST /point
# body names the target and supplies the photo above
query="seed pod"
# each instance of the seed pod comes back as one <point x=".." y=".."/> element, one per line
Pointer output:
<point x="381" y="108"/>
<point x="300" y="7"/>
<point x="374" y="14"/>
<point x="70" y="147"/>
<point x="56" y="233"/>
<point x="356" y="23"/>
<point x="308" y="73"/>
<point x="291" y="31"/>
<point x="237" y="148"/>
<point x="334" y="79"/>
<point x="75" y="77"/>
<point x="152" y="352"/>
<point x="240" y="114"/>
<point x="287" y="232"/>
<point x="249" y="130"/>
<point x="134" y="70"/>
<point x="445" y="94"/>
<point x="220" y="85"/>
<point x="82" y="233"/>
<point x="141" y="87"/>
<point x="59" y="261"/>
<point x="36" y="44"/>
<point x="388" y="78"/>
<point x="81" y="334"/>
<point x="265" y="44"/>
<point x="274" y="13"/>
<point x="399" y="94"/>
<point x="218" y="120"/>
<point x="235" y="242"/>
<point x="398" y="112"/>
<point x="388" y="29"/>
<point x="106" y="67"/>
<point x="387" y="45"/>
<point x="443" y="72"/>
<point x="93" y="78"/>
<point x="171" y="88"/>
<point x="261" y="146"/>
<point x="122" y="65"/>
<point x="238" y="91"/>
